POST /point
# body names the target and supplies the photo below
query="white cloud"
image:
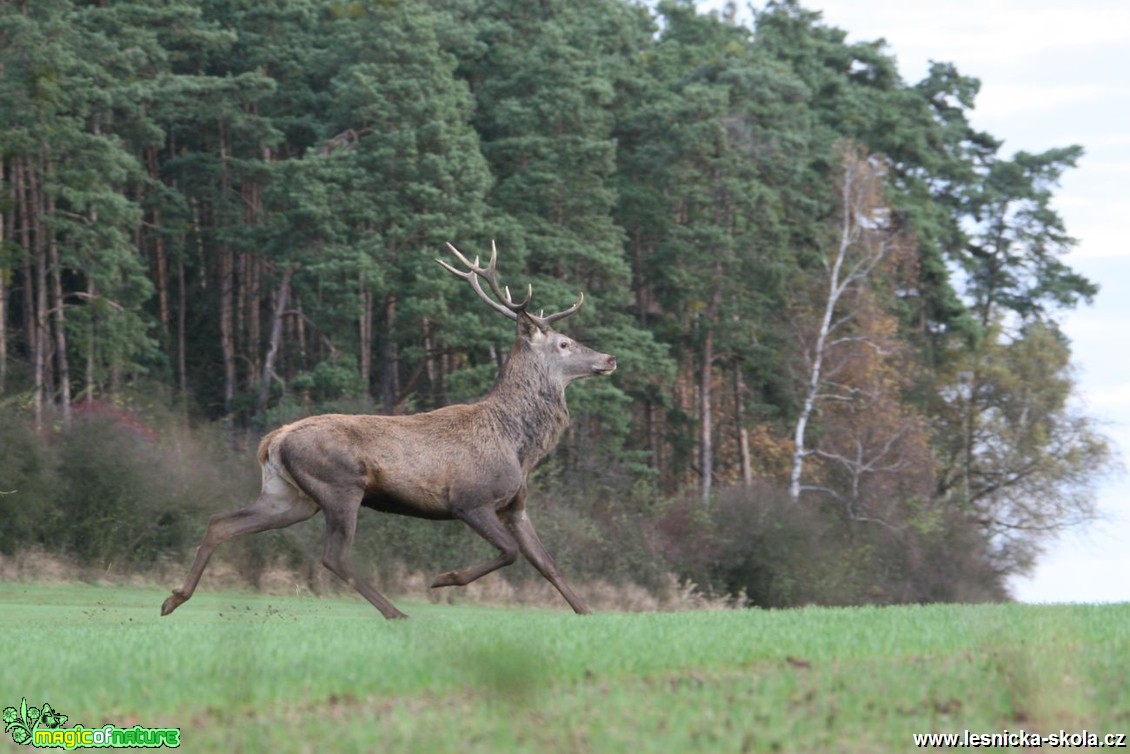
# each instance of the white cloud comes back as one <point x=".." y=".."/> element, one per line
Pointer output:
<point x="1094" y="325"/>
<point x="1098" y="239"/>
<point x="1110" y="398"/>
<point x="976" y="33"/>
<point x="1115" y="140"/>
<point x="1079" y="567"/>
<point x="1004" y="100"/>
<point x="1079" y="573"/>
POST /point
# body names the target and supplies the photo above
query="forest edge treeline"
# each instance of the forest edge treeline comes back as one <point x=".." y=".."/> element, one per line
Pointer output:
<point x="833" y="300"/>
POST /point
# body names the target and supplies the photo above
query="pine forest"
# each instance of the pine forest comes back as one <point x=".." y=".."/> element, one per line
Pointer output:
<point x="835" y="304"/>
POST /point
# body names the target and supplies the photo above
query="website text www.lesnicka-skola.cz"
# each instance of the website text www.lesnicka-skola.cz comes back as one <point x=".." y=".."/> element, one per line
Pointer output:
<point x="1060" y="739"/>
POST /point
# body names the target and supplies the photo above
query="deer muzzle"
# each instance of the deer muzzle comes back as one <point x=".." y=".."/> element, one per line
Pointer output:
<point x="607" y="367"/>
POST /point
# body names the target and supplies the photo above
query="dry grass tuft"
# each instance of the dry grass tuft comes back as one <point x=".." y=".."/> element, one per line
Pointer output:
<point x="674" y="594"/>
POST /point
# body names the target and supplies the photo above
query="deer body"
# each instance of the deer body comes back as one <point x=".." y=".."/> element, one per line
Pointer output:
<point x="467" y="462"/>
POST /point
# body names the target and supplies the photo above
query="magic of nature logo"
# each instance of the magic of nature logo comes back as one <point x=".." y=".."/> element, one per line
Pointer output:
<point x="42" y="727"/>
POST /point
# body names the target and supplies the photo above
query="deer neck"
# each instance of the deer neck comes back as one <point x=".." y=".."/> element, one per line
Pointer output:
<point x="528" y="406"/>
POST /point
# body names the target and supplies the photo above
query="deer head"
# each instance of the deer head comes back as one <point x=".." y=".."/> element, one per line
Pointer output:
<point x="564" y="357"/>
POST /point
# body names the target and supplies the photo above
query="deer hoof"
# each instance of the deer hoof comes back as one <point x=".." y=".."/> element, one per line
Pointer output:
<point x="171" y="603"/>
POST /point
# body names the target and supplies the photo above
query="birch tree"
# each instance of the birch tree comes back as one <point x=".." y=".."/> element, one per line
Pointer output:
<point x="865" y="234"/>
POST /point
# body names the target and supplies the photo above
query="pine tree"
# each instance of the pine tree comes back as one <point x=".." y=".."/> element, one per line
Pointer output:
<point x="710" y="152"/>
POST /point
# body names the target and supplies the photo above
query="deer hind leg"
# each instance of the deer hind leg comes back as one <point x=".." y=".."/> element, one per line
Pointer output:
<point x="279" y="505"/>
<point x="534" y="550"/>
<point x="341" y="524"/>
<point x="486" y="524"/>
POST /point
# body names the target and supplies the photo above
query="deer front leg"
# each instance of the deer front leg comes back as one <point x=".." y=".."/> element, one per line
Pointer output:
<point x="485" y="522"/>
<point x="535" y="552"/>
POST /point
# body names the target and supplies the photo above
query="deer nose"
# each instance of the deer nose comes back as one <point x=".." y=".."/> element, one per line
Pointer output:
<point x="611" y="362"/>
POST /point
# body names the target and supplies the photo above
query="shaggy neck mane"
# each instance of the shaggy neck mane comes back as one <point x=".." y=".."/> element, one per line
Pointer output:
<point x="529" y="405"/>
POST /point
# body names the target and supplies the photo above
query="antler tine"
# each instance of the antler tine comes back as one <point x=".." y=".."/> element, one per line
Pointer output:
<point x="524" y="302"/>
<point x="472" y="276"/>
<point x="563" y="314"/>
<point x="491" y="276"/>
<point x="474" y="266"/>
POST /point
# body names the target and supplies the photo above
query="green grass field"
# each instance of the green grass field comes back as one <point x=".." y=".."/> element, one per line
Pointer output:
<point x="249" y="673"/>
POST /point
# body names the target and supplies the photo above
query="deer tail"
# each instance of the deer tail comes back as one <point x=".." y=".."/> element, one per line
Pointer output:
<point x="265" y="447"/>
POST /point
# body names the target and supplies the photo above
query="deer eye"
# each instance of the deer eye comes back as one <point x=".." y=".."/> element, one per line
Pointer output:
<point x="564" y="344"/>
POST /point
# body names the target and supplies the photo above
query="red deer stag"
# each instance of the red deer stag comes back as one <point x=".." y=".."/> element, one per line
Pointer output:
<point x="467" y="462"/>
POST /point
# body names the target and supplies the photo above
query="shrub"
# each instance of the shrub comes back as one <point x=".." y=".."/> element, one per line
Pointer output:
<point x="28" y="485"/>
<point x="780" y="554"/>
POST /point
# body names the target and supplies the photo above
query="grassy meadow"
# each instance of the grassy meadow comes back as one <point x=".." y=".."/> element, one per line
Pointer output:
<point x="247" y="673"/>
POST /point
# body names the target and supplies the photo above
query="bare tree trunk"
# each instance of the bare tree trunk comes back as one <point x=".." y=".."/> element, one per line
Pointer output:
<point x="3" y="322"/>
<point x="23" y="222"/>
<point x="970" y="422"/>
<point x="160" y="257"/>
<point x="91" y="345"/>
<point x="365" y="333"/>
<point x="816" y="366"/>
<point x="42" y="378"/>
<point x="62" y="362"/>
<point x="182" y="370"/>
<point x="228" y="311"/>
<point x="115" y="383"/>
<point x="429" y="352"/>
<point x="240" y="277"/>
<point x="248" y="332"/>
<point x="227" y="331"/>
<point x="637" y="270"/>
<point x="254" y="289"/>
<point x="706" y="442"/>
<point x="706" y="458"/>
<point x="276" y="339"/>
<point x="252" y="273"/>
<point x="653" y="446"/>
<point x="5" y="225"/>
<point x="182" y="306"/>
<point x="739" y="422"/>
<point x="254" y="312"/>
<point x="23" y="212"/>
<point x="300" y="331"/>
<point x="161" y="268"/>
<point x="389" y="367"/>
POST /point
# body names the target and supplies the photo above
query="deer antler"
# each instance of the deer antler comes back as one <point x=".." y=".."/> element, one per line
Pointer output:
<point x="504" y="304"/>
<point x="563" y="313"/>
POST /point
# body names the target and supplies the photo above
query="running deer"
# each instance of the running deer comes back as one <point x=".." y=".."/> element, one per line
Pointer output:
<point x="468" y="462"/>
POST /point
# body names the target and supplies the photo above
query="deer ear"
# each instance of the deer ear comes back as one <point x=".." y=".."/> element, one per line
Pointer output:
<point x="529" y="328"/>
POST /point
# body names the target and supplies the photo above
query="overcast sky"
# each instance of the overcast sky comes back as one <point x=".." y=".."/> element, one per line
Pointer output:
<point x="1052" y="74"/>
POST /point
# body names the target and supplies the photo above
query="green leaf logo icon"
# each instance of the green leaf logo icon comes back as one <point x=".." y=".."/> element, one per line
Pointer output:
<point x="50" y="718"/>
<point x="23" y="722"/>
